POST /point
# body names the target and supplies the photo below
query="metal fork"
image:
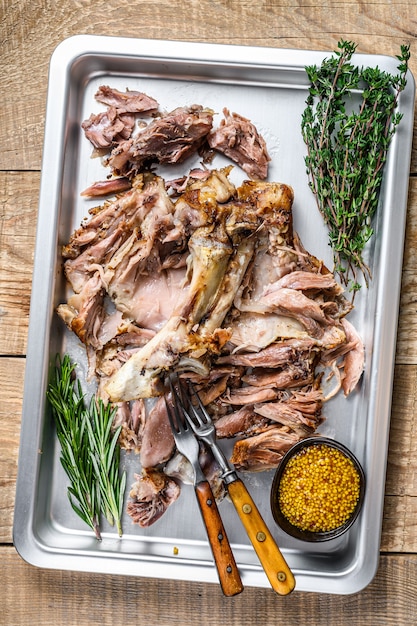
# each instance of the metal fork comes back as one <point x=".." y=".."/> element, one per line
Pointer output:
<point x="188" y="446"/>
<point x="276" y="568"/>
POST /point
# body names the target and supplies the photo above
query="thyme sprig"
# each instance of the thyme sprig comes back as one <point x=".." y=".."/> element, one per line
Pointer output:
<point x="90" y="454"/>
<point x="347" y="149"/>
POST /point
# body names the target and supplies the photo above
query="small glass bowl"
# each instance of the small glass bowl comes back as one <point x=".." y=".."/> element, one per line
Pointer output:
<point x="279" y="517"/>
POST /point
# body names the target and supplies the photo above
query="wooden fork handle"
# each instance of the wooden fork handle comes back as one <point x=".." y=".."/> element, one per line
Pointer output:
<point x="270" y="556"/>
<point x="228" y="572"/>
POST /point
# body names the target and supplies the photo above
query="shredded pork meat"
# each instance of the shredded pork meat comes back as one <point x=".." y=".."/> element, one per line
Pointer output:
<point x="116" y="123"/>
<point x="170" y="139"/>
<point x="216" y="285"/>
<point x="238" y="139"/>
<point x="151" y="495"/>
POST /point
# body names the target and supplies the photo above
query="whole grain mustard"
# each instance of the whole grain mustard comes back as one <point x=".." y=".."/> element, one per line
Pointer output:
<point x="319" y="489"/>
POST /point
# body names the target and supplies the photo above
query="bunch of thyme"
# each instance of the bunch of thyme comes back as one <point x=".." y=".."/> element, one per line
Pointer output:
<point x="90" y="454"/>
<point x="346" y="151"/>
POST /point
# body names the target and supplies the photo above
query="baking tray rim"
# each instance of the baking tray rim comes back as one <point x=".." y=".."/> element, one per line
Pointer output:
<point x="66" y="54"/>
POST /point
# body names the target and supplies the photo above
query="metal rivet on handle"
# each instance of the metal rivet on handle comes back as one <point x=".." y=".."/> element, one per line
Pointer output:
<point x="282" y="577"/>
<point x="260" y="536"/>
<point x="246" y="508"/>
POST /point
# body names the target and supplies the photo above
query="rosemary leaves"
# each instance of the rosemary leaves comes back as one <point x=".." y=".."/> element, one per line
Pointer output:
<point x="347" y="148"/>
<point x="90" y="454"/>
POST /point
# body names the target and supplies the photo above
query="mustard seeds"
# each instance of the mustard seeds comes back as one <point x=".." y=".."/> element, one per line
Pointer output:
<point x="319" y="489"/>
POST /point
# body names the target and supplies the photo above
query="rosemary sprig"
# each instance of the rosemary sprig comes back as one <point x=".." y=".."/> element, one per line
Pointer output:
<point x="346" y="151"/>
<point x="105" y="456"/>
<point x="90" y="454"/>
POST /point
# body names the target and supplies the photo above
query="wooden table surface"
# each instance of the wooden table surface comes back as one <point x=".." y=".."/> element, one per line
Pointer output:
<point x="29" y="32"/>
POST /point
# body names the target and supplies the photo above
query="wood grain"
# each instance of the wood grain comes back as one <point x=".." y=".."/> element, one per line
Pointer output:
<point x="11" y="394"/>
<point x="228" y="572"/>
<point x="93" y="599"/>
<point x="18" y="214"/>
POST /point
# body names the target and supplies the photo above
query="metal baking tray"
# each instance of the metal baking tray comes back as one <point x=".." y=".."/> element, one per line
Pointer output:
<point x="269" y="86"/>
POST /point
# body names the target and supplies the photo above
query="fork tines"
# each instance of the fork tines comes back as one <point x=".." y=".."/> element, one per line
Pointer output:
<point x="174" y="411"/>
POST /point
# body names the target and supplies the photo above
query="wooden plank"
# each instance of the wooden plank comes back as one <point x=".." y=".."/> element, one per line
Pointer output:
<point x="410" y="242"/>
<point x="58" y="597"/>
<point x="19" y="205"/>
<point x="11" y="375"/>
<point x="399" y="524"/>
<point x="28" y="40"/>
<point x="402" y="457"/>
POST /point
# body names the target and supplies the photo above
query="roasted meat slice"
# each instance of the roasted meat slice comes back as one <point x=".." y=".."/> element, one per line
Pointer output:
<point x="238" y="139"/>
<point x="108" y="187"/>
<point x="241" y="423"/>
<point x="293" y="375"/>
<point x="130" y="101"/>
<point x="354" y="359"/>
<point x="248" y="395"/>
<point x="116" y="124"/>
<point x="290" y="413"/>
<point x="142" y="207"/>
<point x="251" y="332"/>
<point x="132" y="420"/>
<point x="108" y="127"/>
<point x="169" y="139"/>
<point x="151" y="494"/>
<point x="84" y="312"/>
<point x="263" y="451"/>
<point x="349" y="356"/>
<point x="276" y="354"/>
<point x="157" y="439"/>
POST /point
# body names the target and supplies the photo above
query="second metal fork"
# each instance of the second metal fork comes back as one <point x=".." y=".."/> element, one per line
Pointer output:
<point x="188" y="446"/>
<point x="276" y="568"/>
